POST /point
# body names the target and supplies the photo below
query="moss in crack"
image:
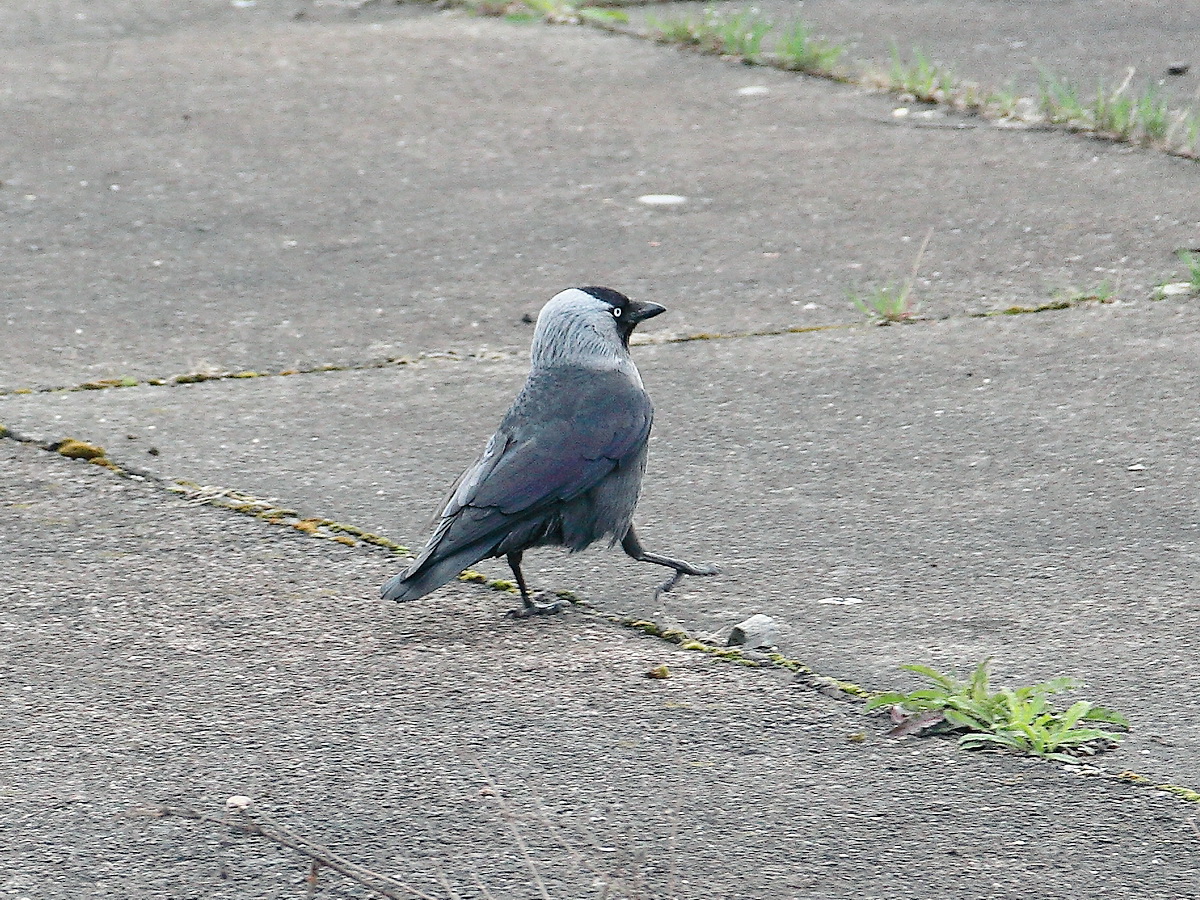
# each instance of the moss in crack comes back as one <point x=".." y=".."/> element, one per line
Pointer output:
<point x="75" y="449"/>
<point x="1186" y="793"/>
<point x="643" y="626"/>
<point x="472" y="577"/>
<point x="380" y="541"/>
<point x="347" y="529"/>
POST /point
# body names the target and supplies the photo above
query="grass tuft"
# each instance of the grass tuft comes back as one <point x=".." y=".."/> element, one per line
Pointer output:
<point x="1104" y="292"/>
<point x="1192" y="261"/>
<point x="1020" y="720"/>
<point x="797" y="50"/>
<point x="892" y="303"/>
<point x="922" y="78"/>
<point x="739" y="34"/>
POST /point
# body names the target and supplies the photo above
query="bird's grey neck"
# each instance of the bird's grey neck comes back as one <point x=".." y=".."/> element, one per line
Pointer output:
<point x="578" y="346"/>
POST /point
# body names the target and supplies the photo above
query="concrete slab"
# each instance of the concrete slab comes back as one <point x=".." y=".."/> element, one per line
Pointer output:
<point x="159" y="652"/>
<point x="970" y="481"/>
<point x="1013" y="42"/>
<point x="291" y="194"/>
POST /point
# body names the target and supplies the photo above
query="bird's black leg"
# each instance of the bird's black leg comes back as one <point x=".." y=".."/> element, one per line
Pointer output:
<point x="631" y="545"/>
<point x="529" y="607"/>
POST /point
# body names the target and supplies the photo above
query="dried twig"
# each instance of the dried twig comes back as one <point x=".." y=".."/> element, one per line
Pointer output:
<point x="482" y="887"/>
<point x="445" y="883"/>
<point x="262" y="826"/>
<point x="510" y="820"/>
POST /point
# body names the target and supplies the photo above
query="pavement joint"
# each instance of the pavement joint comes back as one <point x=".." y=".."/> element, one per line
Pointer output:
<point x="485" y="355"/>
<point x="957" y="95"/>
<point x="352" y="537"/>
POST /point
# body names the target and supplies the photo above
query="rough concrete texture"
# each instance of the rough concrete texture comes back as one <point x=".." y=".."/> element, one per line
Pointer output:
<point x="289" y="194"/>
<point x="160" y="652"/>
<point x="358" y="183"/>
<point x="1014" y="43"/>
<point x="968" y="480"/>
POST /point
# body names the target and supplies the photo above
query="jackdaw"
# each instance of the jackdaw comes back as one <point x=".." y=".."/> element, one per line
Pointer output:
<point x="565" y="466"/>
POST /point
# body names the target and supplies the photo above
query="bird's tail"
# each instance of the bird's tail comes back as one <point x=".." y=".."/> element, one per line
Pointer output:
<point x="425" y="576"/>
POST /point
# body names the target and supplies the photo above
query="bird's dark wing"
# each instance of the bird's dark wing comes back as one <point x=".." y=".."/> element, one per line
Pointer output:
<point x="565" y="432"/>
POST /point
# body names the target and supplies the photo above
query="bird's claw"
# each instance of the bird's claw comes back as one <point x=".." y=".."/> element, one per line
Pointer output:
<point x="671" y="583"/>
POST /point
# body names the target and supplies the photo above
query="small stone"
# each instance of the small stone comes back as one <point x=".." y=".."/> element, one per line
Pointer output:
<point x="756" y="631"/>
<point x="1179" y="68"/>
<point x="662" y="199"/>
<point x="238" y="801"/>
<point x="754" y="90"/>
<point x="841" y="601"/>
<point x="1137" y="467"/>
<point x="1175" y="289"/>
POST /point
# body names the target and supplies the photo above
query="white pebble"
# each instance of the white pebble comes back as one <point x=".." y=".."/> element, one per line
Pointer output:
<point x="662" y="199"/>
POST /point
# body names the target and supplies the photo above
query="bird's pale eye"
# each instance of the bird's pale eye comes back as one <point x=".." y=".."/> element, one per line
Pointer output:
<point x="616" y="312"/>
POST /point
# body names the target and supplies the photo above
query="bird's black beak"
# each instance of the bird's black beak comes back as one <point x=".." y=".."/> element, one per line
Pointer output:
<point x="640" y="310"/>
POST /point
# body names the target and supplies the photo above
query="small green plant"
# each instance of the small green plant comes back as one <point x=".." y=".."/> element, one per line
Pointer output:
<point x="1104" y="292"/>
<point x="1060" y="102"/>
<point x="1152" y="115"/>
<point x="1192" y="261"/>
<point x="888" y="304"/>
<point x="676" y="30"/>
<point x="741" y="34"/>
<point x="922" y="78"/>
<point x="798" y="51"/>
<point x="1114" y="113"/>
<point x="1004" y="101"/>
<point x="738" y="34"/>
<point x="893" y="303"/>
<point x="1021" y="720"/>
<point x="555" y="12"/>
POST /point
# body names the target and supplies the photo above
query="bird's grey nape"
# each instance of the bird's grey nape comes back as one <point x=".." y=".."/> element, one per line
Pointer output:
<point x="565" y="466"/>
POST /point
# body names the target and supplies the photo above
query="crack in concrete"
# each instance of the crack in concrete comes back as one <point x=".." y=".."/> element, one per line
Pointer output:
<point x="356" y="538"/>
<point x="961" y="96"/>
<point x="648" y="340"/>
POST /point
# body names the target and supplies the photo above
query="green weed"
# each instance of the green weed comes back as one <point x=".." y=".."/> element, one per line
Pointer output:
<point x="1060" y="102"/>
<point x="1021" y="720"/>
<point x="892" y="303"/>
<point x="1104" y="292"/>
<point x="797" y="50"/>
<point x="742" y="35"/>
<point x="555" y="12"/>
<point x="1192" y="261"/>
<point x="1138" y="117"/>
<point x="922" y="78"/>
<point x="688" y="32"/>
<point x="1004" y="101"/>
<point x="738" y="34"/>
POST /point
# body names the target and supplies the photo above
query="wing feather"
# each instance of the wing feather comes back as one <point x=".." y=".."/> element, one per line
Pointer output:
<point x="565" y="432"/>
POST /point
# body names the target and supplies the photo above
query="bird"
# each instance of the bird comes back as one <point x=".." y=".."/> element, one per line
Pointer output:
<point x="565" y="465"/>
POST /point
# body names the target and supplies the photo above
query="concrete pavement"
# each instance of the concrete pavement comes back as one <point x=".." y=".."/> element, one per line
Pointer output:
<point x="293" y="192"/>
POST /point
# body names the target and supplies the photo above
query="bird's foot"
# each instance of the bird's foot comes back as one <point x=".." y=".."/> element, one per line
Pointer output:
<point x="533" y="608"/>
<point x="669" y="585"/>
